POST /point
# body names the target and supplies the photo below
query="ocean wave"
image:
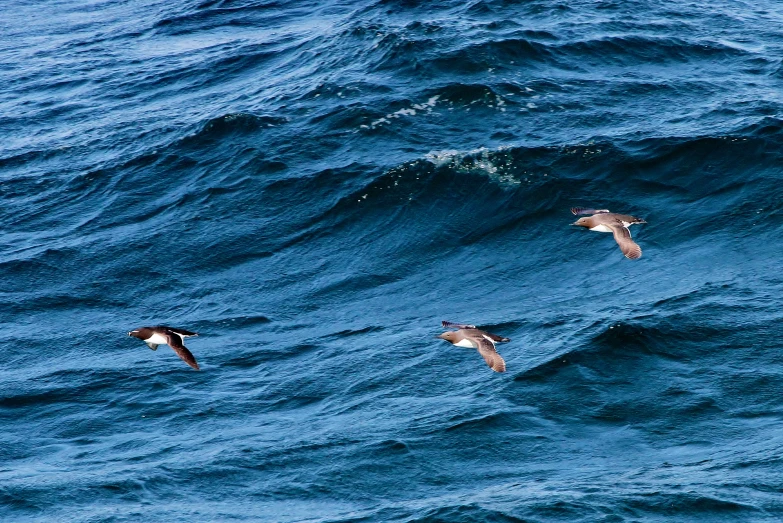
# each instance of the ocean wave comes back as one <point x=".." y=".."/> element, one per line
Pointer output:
<point x="313" y="188"/>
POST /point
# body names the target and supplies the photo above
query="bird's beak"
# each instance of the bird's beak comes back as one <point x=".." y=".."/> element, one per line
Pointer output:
<point x="574" y="223"/>
<point x="130" y="333"/>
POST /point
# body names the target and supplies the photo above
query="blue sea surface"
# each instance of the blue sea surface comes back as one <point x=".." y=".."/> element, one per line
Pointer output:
<point x="314" y="186"/>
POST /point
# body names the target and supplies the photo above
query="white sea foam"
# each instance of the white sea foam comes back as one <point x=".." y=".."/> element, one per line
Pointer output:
<point x="493" y="163"/>
<point x="425" y="107"/>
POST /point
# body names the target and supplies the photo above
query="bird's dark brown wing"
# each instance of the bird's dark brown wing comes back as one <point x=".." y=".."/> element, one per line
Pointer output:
<point x="474" y="333"/>
<point x="627" y="218"/>
<point x="581" y="210"/>
<point x="175" y="342"/>
<point x="623" y="238"/>
<point x="457" y="325"/>
<point x="496" y="338"/>
<point x="181" y="331"/>
<point x="487" y="350"/>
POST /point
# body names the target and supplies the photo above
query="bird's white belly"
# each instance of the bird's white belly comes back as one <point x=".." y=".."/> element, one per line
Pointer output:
<point x="466" y="344"/>
<point x="601" y="228"/>
<point x="156" y="338"/>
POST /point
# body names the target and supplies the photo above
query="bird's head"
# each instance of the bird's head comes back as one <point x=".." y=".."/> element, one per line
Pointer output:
<point x="449" y="336"/>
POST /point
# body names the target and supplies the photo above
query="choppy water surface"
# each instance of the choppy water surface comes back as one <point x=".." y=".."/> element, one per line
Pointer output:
<point x="313" y="186"/>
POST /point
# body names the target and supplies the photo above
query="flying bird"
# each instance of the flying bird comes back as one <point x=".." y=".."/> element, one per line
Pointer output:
<point x="470" y="337"/>
<point x="154" y="336"/>
<point x="604" y="221"/>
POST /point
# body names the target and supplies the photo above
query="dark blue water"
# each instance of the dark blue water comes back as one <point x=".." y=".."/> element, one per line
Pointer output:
<point x="314" y="186"/>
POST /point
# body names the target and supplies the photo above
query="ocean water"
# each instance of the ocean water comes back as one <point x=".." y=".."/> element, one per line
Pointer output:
<point x="314" y="186"/>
